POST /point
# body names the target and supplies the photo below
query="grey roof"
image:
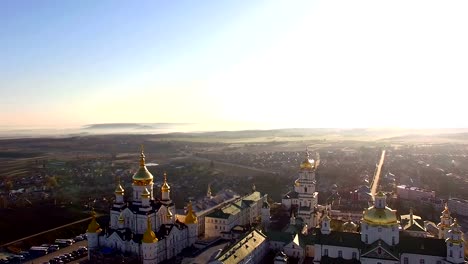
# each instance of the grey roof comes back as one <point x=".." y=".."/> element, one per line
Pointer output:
<point x="340" y="239"/>
<point x="424" y="246"/>
<point x="291" y="195"/>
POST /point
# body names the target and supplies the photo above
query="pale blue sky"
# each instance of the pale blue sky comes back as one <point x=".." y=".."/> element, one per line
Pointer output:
<point x="281" y="63"/>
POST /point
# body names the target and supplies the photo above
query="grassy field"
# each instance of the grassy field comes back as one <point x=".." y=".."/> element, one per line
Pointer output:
<point x="23" y="222"/>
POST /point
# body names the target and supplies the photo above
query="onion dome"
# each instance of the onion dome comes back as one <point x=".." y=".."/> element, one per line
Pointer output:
<point x="446" y="212"/>
<point x="349" y="226"/>
<point x="119" y="189"/>
<point x="380" y="194"/>
<point x="380" y="216"/>
<point x="455" y="225"/>
<point x="165" y="187"/>
<point x="297" y="183"/>
<point x="307" y="164"/>
<point x="190" y="218"/>
<point x="94" y="226"/>
<point x="146" y="193"/>
<point x="142" y="176"/>
<point x="149" y="236"/>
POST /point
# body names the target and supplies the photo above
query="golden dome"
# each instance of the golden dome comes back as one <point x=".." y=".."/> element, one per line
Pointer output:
<point x="380" y="216"/>
<point x="94" y="226"/>
<point x="446" y="211"/>
<point x="190" y="218"/>
<point x="142" y="176"/>
<point x="296" y="183"/>
<point x="307" y="164"/>
<point x="169" y="213"/>
<point x="119" y="189"/>
<point x="165" y="187"/>
<point x="349" y="226"/>
<point x="149" y="236"/>
<point x="146" y="193"/>
<point x="455" y="224"/>
<point x="380" y="194"/>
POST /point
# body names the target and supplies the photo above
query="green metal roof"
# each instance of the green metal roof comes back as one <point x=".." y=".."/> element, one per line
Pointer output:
<point x="142" y="174"/>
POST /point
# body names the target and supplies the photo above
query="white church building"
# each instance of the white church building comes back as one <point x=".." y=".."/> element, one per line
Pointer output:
<point x="146" y="226"/>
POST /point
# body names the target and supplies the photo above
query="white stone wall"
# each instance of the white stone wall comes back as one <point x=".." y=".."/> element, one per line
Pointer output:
<point x="389" y="234"/>
<point x="214" y="226"/>
<point x="415" y="258"/>
<point x="293" y="250"/>
<point x="381" y="261"/>
<point x="334" y="251"/>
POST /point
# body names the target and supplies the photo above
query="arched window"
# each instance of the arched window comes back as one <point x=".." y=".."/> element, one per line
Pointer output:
<point x="305" y="189"/>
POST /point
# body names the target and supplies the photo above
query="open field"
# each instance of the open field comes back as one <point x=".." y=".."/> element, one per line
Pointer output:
<point x="85" y="168"/>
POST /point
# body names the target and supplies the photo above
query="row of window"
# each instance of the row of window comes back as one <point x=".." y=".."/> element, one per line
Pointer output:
<point x="340" y="253"/>
<point x="421" y="261"/>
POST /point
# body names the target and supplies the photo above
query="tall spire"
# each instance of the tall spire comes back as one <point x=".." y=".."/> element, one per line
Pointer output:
<point x="149" y="236"/>
<point x="190" y="218"/>
<point x="94" y="226"/>
<point x="208" y="192"/>
<point x="119" y="189"/>
<point x="165" y="187"/>
<point x="142" y="156"/>
<point x="306" y="164"/>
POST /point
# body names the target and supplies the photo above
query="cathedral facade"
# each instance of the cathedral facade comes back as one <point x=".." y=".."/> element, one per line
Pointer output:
<point x="303" y="200"/>
<point x="146" y="226"/>
<point x="381" y="239"/>
<point x="378" y="238"/>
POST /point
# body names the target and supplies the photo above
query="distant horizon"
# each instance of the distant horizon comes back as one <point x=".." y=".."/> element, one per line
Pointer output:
<point x="187" y="127"/>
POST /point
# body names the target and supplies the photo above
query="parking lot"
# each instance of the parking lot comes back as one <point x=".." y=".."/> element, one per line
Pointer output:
<point x="69" y="249"/>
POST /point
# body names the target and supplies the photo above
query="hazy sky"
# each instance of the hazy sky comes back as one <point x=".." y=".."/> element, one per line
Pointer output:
<point x="281" y="63"/>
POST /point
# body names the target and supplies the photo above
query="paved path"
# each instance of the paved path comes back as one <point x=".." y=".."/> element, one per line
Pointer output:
<point x="375" y="182"/>
<point x="62" y="251"/>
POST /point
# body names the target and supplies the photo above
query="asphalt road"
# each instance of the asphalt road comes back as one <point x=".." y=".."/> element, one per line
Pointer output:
<point x="375" y="182"/>
<point x="62" y="251"/>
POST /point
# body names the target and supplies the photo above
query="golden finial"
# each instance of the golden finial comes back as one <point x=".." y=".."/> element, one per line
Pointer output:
<point x="169" y="213"/>
<point x="119" y="189"/>
<point x="93" y="227"/>
<point x="306" y="165"/>
<point x="149" y="236"/>
<point x="165" y="187"/>
<point x="142" y="156"/>
<point x="146" y="193"/>
<point x="190" y="218"/>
